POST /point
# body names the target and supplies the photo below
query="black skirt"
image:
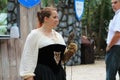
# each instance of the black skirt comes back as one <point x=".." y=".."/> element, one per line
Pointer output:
<point x="43" y="72"/>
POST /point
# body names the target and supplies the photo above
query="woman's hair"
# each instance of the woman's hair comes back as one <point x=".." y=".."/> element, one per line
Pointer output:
<point x="45" y="12"/>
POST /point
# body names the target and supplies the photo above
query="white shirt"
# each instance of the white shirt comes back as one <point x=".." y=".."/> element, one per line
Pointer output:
<point x="34" y="41"/>
<point x="114" y="26"/>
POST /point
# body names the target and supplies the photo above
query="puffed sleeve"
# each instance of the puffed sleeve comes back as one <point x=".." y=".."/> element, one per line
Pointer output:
<point x="29" y="56"/>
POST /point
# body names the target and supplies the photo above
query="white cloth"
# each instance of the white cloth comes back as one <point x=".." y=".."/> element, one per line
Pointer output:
<point x="113" y="27"/>
<point x="34" y="41"/>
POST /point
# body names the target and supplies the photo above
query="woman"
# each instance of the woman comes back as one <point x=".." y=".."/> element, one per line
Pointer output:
<point x="44" y="50"/>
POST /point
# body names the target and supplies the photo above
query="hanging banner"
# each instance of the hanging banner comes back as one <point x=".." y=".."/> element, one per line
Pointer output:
<point x="29" y="3"/>
<point x="79" y="8"/>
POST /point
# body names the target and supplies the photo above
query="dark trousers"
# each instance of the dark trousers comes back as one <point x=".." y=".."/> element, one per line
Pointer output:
<point x="112" y="60"/>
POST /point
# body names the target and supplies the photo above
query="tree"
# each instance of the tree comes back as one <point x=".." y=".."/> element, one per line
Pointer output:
<point x="96" y="18"/>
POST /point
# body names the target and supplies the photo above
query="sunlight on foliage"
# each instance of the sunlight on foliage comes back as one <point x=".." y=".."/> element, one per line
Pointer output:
<point x="3" y="17"/>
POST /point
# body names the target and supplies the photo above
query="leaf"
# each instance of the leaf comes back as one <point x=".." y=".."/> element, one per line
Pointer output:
<point x="56" y="1"/>
<point x="44" y="3"/>
<point x="3" y="29"/>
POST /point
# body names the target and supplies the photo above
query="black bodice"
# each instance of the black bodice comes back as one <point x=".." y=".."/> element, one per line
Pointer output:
<point x="51" y="56"/>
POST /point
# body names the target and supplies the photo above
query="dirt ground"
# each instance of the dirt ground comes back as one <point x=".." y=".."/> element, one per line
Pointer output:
<point x="94" y="71"/>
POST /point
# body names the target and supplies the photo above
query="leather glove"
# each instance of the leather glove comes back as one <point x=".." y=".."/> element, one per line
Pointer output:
<point x="70" y="51"/>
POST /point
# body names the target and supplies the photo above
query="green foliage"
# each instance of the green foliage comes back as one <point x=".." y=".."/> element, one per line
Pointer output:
<point x="3" y="23"/>
<point x="56" y="1"/>
<point x="3" y="30"/>
<point x="97" y="15"/>
<point x="3" y="17"/>
<point x="92" y="14"/>
<point x="3" y="5"/>
<point x="44" y="3"/>
<point x="49" y="2"/>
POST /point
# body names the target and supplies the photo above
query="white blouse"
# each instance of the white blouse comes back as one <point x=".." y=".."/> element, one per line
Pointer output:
<point x="34" y="41"/>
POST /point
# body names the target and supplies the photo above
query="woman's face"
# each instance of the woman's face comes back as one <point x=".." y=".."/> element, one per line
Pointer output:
<point x="115" y="5"/>
<point x="53" y="20"/>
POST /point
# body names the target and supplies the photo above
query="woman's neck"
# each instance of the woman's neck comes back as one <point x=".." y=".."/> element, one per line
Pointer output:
<point x="46" y="28"/>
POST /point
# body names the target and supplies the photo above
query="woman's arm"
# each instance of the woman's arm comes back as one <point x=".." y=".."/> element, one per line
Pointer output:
<point x="29" y="56"/>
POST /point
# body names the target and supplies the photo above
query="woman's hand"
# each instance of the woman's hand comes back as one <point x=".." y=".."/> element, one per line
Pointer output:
<point x="70" y="51"/>
<point x="30" y="78"/>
